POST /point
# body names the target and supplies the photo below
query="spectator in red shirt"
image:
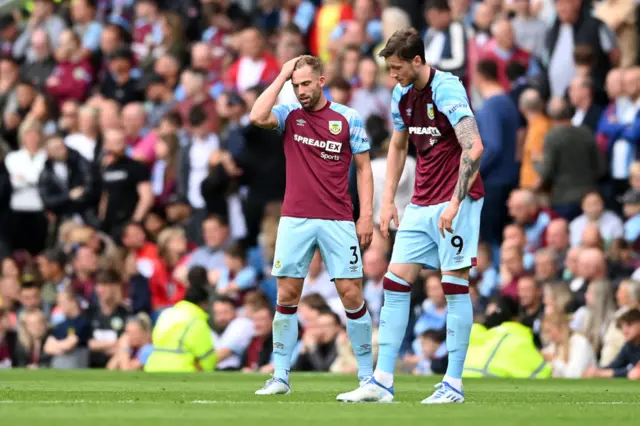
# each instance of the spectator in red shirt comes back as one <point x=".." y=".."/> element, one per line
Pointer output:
<point x="255" y="65"/>
<point x="174" y="251"/>
<point x="194" y="82"/>
<point x="72" y="77"/>
<point x="148" y="264"/>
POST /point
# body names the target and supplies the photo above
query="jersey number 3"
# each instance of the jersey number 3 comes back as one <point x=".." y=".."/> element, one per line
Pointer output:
<point x="354" y="251"/>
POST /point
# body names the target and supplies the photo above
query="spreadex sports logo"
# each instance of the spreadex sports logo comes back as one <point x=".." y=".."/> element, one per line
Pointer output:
<point x="430" y="131"/>
<point x="329" y="146"/>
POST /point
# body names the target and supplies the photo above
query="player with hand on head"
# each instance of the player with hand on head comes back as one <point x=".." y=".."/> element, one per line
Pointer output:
<point x="440" y="228"/>
<point x="320" y="139"/>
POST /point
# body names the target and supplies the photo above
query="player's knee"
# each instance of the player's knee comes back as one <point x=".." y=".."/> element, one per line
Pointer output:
<point x="288" y="293"/>
<point x="407" y="272"/>
<point x="350" y="293"/>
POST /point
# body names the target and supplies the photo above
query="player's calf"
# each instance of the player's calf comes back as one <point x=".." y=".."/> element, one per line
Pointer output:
<point x="359" y="326"/>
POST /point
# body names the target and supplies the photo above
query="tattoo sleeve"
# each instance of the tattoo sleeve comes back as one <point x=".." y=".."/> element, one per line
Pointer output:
<point x="467" y="133"/>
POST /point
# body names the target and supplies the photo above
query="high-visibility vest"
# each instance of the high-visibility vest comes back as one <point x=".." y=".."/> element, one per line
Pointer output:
<point x="504" y="351"/>
<point x="28" y="5"/>
<point x="182" y="341"/>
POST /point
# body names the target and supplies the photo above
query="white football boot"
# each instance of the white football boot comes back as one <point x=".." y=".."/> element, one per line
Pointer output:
<point x="369" y="391"/>
<point x="445" y="394"/>
<point x="275" y="387"/>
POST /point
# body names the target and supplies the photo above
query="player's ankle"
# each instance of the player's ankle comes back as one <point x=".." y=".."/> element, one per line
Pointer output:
<point x="384" y="378"/>
<point x="454" y="383"/>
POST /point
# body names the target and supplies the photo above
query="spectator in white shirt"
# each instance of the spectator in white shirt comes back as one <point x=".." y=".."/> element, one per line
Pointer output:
<point x="569" y="353"/>
<point x="29" y="223"/>
<point x="232" y="334"/>
<point x="609" y="224"/>
<point x="85" y="140"/>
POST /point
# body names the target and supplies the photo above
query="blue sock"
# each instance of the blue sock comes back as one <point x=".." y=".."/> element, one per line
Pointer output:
<point x="359" y="331"/>
<point x="459" y="322"/>
<point x="393" y="325"/>
<point x="285" y="337"/>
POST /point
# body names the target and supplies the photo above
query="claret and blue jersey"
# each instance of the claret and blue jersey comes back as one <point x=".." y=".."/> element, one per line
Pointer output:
<point x="429" y="116"/>
<point x="317" y="210"/>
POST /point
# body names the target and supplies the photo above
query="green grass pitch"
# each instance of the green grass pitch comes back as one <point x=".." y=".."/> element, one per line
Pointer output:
<point x="97" y="398"/>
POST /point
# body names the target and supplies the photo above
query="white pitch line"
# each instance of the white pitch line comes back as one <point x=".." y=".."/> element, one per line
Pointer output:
<point x="227" y="402"/>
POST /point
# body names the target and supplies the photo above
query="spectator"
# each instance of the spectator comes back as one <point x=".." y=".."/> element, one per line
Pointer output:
<point x="319" y="344"/>
<point x="573" y="26"/>
<point x="8" y="341"/>
<point x="502" y="50"/>
<point x="134" y="346"/>
<point x="32" y="331"/>
<point x="127" y="191"/>
<point x="445" y="41"/>
<point x="83" y="16"/>
<point x="531" y="308"/>
<point x="119" y="83"/>
<point x="627" y="298"/>
<point x="215" y="232"/>
<point x="631" y="208"/>
<point x="163" y="173"/>
<point x="370" y="98"/>
<point x="556" y="298"/>
<point x="485" y="275"/>
<point x="581" y="96"/>
<point x="532" y="107"/>
<point x="146" y="28"/>
<point x="595" y="316"/>
<point x="571" y="165"/>
<point x="299" y="12"/>
<point x="73" y="75"/>
<point x="497" y="123"/>
<point x="196" y="95"/>
<point x="9" y="33"/>
<point x="620" y="17"/>
<point x="433" y="312"/>
<point x="66" y="183"/>
<point x="433" y="358"/>
<point x="161" y="99"/>
<point x="29" y="224"/>
<point x="557" y="237"/>
<point x="529" y="31"/>
<point x="255" y="65"/>
<point x="258" y="354"/>
<point x="629" y="356"/>
<point x="569" y="353"/>
<point x="42" y="17"/>
<point x="609" y="224"/>
<point x="511" y="269"/>
<point x="232" y="334"/>
<point x="67" y="342"/>
<point x="84" y="138"/>
<point x="546" y="265"/>
<point x="108" y="318"/>
<point x="237" y="277"/>
<point x="169" y="40"/>
<point x="39" y="64"/>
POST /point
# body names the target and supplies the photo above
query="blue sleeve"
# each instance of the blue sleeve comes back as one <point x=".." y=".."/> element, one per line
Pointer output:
<point x="304" y="16"/>
<point x="374" y="30"/>
<point x="246" y="278"/>
<point x="491" y="135"/>
<point x="450" y="98"/>
<point x="337" y="32"/>
<point x="612" y="130"/>
<point x="398" y="122"/>
<point x="91" y="39"/>
<point x="632" y="132"/>
<point x="223" y="280"/>
<point x="357" y="134"/>
<point x="282" y="112"/>
<point x="180" y="94"/>
<point x="144" y="353"/>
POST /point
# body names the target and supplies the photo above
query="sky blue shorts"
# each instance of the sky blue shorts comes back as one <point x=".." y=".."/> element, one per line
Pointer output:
<point x="419" y="241"/>
<point x="298" y="239"/>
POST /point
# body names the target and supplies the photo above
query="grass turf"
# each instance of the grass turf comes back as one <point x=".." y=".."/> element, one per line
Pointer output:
<point x="97" y="398"/>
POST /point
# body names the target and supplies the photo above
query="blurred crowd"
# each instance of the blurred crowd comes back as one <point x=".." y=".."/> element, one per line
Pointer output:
<point x="130" y="174"/>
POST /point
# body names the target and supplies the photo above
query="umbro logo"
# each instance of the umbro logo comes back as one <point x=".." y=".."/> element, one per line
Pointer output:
<point x="301" y="122"/>
<point x="409" y="111"/>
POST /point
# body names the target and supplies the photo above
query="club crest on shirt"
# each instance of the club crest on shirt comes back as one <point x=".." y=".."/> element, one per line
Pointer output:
<point x="335" y="127"/>
<point x="409" y="112"/>
<point x="277" y="264"/>
<point x="430" y="112"/>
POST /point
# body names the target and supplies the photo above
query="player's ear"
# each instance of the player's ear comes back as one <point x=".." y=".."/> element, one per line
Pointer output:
<point x="417" y="61"/>
<point x="322" y="80"/>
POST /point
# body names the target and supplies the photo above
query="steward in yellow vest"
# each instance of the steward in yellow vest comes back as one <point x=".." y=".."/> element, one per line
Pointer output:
<point x="182" y="339"/>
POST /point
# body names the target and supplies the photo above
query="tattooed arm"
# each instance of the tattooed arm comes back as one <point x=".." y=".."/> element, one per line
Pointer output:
<point x="469" y="139"/>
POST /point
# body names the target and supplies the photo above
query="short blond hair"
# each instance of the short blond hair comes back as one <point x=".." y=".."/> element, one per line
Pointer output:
<point x="314" y="62"/>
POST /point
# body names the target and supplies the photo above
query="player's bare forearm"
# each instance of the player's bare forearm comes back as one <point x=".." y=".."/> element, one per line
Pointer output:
<point x="469" y="139"/>
<point x="365" y="183"/>
<point x="261" y="115"/>
<point x="396" y="158"/>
